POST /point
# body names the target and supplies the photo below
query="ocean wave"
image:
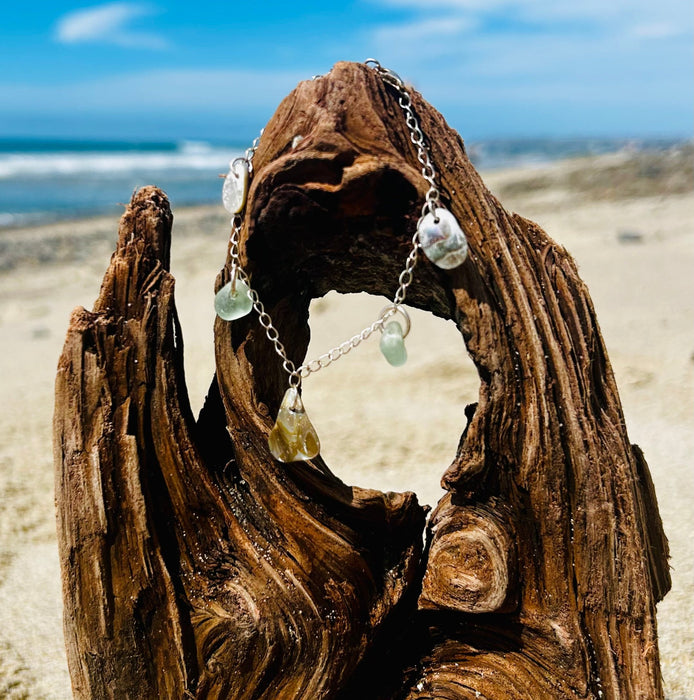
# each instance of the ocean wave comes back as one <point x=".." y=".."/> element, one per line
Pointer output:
<point x="190" y="156"/>
<point x="14" y="220"/>
<point x="43" y="181"/>
<point x="195" y="147"/>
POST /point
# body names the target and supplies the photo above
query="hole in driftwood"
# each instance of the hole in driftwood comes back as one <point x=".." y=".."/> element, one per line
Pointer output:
<point x="383" y="427"/>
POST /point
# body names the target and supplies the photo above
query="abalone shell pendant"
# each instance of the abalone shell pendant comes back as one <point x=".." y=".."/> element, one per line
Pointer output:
<point x="235" y="188"/>
<point x="442" y="241"/>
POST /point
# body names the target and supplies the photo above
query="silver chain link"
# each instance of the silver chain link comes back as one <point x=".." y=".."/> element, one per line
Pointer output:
<point x="431" y="203"/>
<point x="432" y="198"/>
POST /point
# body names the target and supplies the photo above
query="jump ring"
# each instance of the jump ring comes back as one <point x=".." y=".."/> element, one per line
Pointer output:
<point x="393" y="309"/>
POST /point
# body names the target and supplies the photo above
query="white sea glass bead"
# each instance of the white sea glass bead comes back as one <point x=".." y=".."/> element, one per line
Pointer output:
<point x="235" y="187"/>
<point x="393" y="344"/>
<point x="232" y="304"/>
<point x="293" y="438"/>
<point x="443" y="242"/>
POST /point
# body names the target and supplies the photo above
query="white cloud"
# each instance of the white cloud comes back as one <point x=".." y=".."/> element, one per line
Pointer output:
<point x="435" y="38"/>
<point x="416" y="32"/>
<point x="533" y="40"/>
<point x="656" y="30"/>
<point x="525" y="8"/>
<point x="622" y="65"/>
<point x="111" y="24"/>
<point x="617" y="11"/>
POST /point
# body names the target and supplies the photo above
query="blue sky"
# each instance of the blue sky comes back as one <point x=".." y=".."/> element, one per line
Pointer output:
<point x="495" y="68"/>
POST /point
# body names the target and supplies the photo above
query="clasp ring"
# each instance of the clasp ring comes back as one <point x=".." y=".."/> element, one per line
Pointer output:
<point x="391" y="310"/>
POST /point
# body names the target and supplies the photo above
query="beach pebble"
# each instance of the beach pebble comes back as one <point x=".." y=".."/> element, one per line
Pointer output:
<point x="630" y="236"/>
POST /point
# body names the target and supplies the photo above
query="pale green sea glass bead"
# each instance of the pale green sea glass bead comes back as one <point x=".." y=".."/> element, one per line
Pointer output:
<point x="393" y="344"/>
<point x="232" y="305"/>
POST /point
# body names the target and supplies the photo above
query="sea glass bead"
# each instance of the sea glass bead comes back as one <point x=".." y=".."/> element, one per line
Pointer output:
<point x="293" y="438"/>
<point x="231" y="304"/>
<point x="393" y="344"/>
<point x="235" y="187"/>
<point x="442" y="241"/>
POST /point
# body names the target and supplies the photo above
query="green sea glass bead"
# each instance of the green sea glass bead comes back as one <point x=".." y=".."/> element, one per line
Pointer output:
<point x="393" y="344"/>
<point x="231" y="305"/>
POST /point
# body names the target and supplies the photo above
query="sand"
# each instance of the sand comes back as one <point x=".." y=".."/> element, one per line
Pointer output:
<point x="628" y="220"/>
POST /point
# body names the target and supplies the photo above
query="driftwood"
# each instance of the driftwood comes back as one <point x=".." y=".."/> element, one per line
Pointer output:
<point x="194" y="565"/>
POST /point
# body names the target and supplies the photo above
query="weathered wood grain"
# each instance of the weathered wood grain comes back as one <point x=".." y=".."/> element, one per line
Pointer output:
<point x="194" y="565"/>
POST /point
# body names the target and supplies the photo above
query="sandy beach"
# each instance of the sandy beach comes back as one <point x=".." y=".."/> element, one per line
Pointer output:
<point x="627" y="218"/>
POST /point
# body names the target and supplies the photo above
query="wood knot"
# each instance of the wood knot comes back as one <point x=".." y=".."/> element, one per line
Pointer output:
<point x="471" y="560"/>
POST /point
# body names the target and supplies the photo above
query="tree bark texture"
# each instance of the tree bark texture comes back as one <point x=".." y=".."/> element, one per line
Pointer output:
<point x="195" y="565"/>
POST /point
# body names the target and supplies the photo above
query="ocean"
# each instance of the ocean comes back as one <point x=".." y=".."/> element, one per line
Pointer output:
<point x="45" y="180"/>
<point x="48" y="180"/>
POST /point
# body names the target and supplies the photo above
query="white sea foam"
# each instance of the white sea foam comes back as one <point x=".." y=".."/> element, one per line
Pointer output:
<point x="196" y="147"/>
<point x="12" y="220"/>
<point x="189" y="156"/>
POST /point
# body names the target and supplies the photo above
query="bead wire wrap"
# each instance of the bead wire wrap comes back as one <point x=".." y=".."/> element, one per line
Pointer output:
<point x="431" y="204"/>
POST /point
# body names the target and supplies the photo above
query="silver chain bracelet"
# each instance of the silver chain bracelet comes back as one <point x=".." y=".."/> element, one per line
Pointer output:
<point x="437" y="234"/>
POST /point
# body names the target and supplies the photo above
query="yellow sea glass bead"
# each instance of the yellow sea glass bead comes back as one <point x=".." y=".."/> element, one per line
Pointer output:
<point x="293" y="438"/>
